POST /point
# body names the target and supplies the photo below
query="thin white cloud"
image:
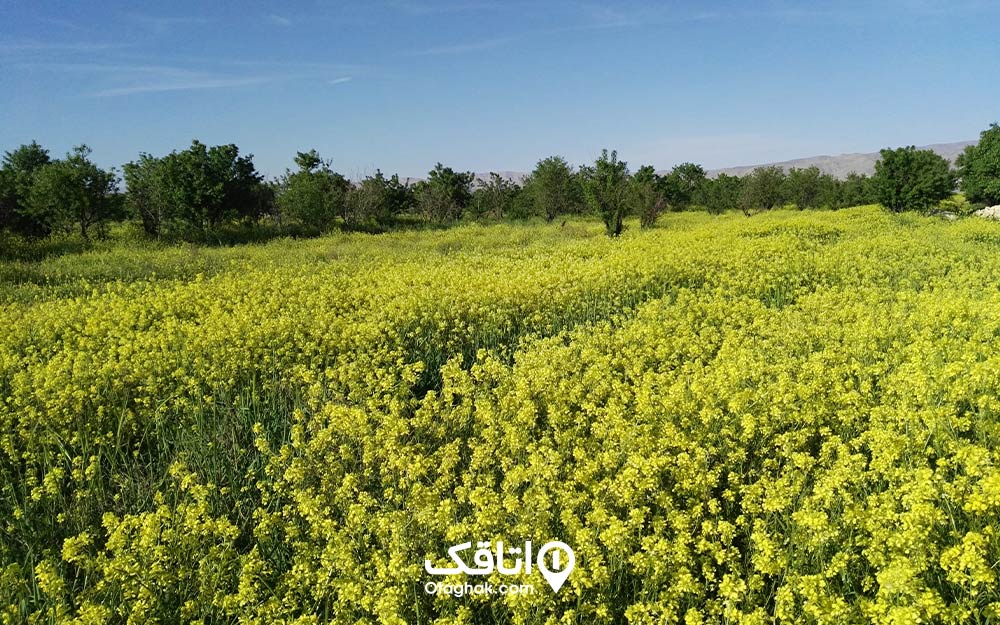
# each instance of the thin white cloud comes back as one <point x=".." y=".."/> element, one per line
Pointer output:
<point x="278" y="20"/>
<point x="418" y="7"/>
<point x="581" y="18"/>
<point x="188" y="85"/>
<point x="110" y="69"/>
<point x="608" y="17"/>
<point x="123" y="79"/>
<point x="462" y="48"/>
<point x="44" y="46"/>
<point x="943" y="7"/>
<point x="161" y="24"/>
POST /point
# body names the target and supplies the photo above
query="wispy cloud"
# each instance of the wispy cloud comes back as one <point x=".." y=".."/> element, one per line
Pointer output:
<point x="182" y="85"/>
<point x="461" y="48"/>
<point x="290" y="67"/>
<point x="125" y="79"/>
<point x="121" y="79"/>
<point x="162" y="24"/>
<point x="278" y="20"/>
<point x="419" y="7"/>
<point x="45" y="46"/>
<point x="610" y="17"/>
<point x="58" y="21"/>
<point x="136" y="79"/>
<point x="571" y="18"/>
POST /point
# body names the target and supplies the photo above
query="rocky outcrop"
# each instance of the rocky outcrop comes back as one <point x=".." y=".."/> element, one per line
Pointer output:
<point x="990" y="212"/>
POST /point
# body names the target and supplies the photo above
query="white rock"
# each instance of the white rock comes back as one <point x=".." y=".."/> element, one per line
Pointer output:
<point x="990" y="212"/>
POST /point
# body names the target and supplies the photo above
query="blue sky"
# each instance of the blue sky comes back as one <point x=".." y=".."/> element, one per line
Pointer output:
<point x="485" y="85"/>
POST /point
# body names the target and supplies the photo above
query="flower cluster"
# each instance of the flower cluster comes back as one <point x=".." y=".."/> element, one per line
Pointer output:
<point x="787" y="419"/>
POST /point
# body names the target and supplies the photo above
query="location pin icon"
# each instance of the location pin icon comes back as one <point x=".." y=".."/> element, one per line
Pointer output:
<point x="563" y="561"/>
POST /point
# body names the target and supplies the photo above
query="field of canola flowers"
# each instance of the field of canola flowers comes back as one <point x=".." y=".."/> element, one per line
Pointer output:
<point x="792" y="418"/>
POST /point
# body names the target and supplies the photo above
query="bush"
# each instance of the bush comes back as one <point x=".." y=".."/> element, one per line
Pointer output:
<point x="855" y="190"/>
<point x="197" y="189"/>
<point x="606" y="187"/>
<point x="682" y="185"/>
<point x="957" y="204"/>
<point x="378" y="200"/>
<point x="553" y="188"/>
<point x="720" y="194"/>
<point x="445" y="194"/>
<point x="74" y="193"/>
<point x="649" y="199"/>
<point x="496" y="198"/>
<point x="912" y="179"/>
<point x="979" y="168"/>
<point x="810" y="188"/>
<point x="17" y="175"/>
<point x="315" y="195"/>
<point x="762" y="189"/>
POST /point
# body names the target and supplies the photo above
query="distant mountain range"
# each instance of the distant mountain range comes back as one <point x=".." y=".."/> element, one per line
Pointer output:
<point x="838" y="166"/>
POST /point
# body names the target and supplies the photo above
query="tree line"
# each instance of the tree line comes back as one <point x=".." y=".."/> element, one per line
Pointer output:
<point x="193" y="192"/>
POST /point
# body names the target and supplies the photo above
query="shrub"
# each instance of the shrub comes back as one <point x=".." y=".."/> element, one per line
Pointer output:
<point x="496" y="198"/>
<point x="606" y="187"/>
<point x="648" y="199"/>
<point x="979" y="168"/>
<point x="74" y="193"/>
<point x="762" y="189"/>
<point x="912" y="179"/>
<point x="553" y="188"/>
<point x="315" y="195"/>
<point x="195" y="190"/>
<point x="378" y="200"/>
<point x="17" y="175"/>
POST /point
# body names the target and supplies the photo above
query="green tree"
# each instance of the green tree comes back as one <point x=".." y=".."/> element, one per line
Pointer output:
<point x="315" y="195"/>
<point x="648" y="197"/>
<point x="434" y="203"/>
<point x="762" y="189"/>
<point x="524" y="205"/>
<point x="242" y="185"/>
<point x="720" y="194"/>
<point x="683" y="184"/>
<point x="196" y="189"/>
<point x="147" y="198"/>
<point x="810" y="188"/>
<point x="606" y="188"/>
<point x="553" y="188"/>
<point x="445" y="194"/>
<point x="855" y="190"/>
<point x="74" y="192"/>
<point x="979" y="168"/>
<point x="495" y="198"/>
<point x="17" y="175"/>
<point x="379" y="200"/>
<point x="912" y="179"/>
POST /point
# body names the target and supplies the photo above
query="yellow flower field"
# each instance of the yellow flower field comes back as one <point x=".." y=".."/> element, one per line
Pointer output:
<point x="792" y="418"/>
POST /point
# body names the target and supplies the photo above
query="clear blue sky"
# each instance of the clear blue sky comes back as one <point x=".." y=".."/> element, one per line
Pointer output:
<point x="488" y="85"/>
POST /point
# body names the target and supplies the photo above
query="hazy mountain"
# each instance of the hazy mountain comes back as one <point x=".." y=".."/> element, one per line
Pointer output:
<point x="516" y="176"/>
<point x="840" y="166"/>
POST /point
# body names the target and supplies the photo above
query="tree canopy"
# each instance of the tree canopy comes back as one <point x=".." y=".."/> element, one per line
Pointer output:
<point x="606" y="188"/>
<point x="912" y="179"/>
<point x="979" y="168"/>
